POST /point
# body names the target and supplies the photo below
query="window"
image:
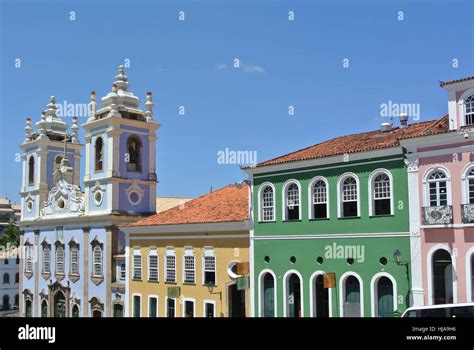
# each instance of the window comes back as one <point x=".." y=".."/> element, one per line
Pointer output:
<point x="99" y="154"/>
<point x="17" y="278"/>
<point x="74" y="260"/>
<point x="188" y="308"/>
<point x="267" y="285"/>
<point x="384" y="297"/>
<point x="437" y="189"/>
<point x="293" y="296"/>
<point x="189" y="266"/>
<point x="97" y="260"/>
<point x="44" y="308"/>
<point x="267" y="204"/>
<point x="137" y="306"/>
<point x="209" y="266"/>
<point x="153" y="266"/>
<point x="6" y="278"/>
<point x="75" y="311"/>
<point x="320" y="297"/>
<point x="170" y="265"/>
<point x="152" y="307"/>
<point x="442" y="277"/>
<point x="5" y="262"/>
<point x="137" y="264"/>
<point x="381" y="194"/>
<point x="351" y="297"/>
<point x="319" y="200"/>
<point x="122" y="272"/>
<point x="170" y="307"/>
<point x="349" y="197"/>
<point x="292" y="202"/>
<point x="470" y="187"/>
<point x="469" y="112"/>
<point x="59" y="259"/>
<point x="28" y="258"/>
<point x="46" y="259"/>
<point x="134" y="147"/>
<point x="209" y="310"/>
<point x="31" y="170"/>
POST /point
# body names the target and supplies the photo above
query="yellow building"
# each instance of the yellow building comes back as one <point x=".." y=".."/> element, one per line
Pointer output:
<point x="191" y="260"/>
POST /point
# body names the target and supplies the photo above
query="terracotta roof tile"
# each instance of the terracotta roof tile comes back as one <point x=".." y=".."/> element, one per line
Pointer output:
<point x="365" y="141"/>
<point x="228" y="204"/>
<point x="444" y="83"/>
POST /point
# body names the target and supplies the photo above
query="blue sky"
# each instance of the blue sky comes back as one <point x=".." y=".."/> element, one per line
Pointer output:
<point x="283" y="63"/>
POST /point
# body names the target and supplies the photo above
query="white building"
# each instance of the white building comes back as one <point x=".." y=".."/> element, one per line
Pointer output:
<point x="9" y="281"/>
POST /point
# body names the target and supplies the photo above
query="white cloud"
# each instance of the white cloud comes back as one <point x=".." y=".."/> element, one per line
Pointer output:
<point x="246" y="68"/>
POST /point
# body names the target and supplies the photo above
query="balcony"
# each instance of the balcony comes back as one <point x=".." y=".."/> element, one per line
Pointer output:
<point x="467" y="211"/>
<point x="438" y="215"/>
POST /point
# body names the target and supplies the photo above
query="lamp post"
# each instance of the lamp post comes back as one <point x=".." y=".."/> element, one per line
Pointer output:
<point x="397" y="255"/>
<point x="210" y="288"/>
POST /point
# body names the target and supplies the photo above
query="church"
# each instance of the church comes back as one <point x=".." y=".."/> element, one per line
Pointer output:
<point x="74" y="250"/>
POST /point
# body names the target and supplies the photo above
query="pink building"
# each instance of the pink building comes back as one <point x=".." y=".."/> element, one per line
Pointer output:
<point x="441" y="180"/>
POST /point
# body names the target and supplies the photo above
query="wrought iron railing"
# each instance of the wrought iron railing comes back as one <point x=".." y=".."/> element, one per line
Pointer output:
<point x="467" y="212"/>
<point x="438" y="215"/>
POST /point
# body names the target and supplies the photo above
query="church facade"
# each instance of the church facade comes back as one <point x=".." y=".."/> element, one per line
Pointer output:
<point x="74" y="262"/>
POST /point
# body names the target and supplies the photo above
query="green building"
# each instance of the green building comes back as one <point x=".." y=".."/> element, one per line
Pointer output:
<point x="342" y="207"/>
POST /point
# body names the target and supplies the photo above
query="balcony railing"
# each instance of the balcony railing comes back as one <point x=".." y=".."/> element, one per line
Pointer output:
<point x="467" y="211"/>
<point x="438" y="215"/>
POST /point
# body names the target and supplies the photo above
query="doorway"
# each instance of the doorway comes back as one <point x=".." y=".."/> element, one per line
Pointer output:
<point x="236" y="301"/>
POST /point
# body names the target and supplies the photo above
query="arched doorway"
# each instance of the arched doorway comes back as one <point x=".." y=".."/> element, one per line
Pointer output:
<point x="442" y="269"/>
<point x="384" y="297"/>
<point x="268" y="295"/>
<point x="59" y="304"/>
<point x="75" y="310"/>
<point x="236" y="301"/>
<point x="5" y="302"/>
<point x="321" y="297"/>
<point x="351" y="306"/>
<point x="293" y="297"/>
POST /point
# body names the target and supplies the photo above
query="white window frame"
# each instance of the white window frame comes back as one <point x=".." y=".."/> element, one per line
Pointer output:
<point x="153" y="252"/>
<point x="372" y="178"/>
<point x="429" y="269"/>
<point x="469" y="272"/>
<point x="465" y="182"/>
<point x="153" y="296"/>
<point x="426" y="190"/>
<point x="137" y="252"/>
<point x="204" y="303"/>
<point x="71" y="262"/>
<point x="184" y="307"/>
<point x="170" y="252"/>
<point x="209" y="252"/>
<point x="284" y="198"/>
<point x="188" y="252"/>
<point x="28" y="257"/>
<point x="101" y="263"/>
<point x="175" y="306"/>
<point x="312" y="296"/>
<point x="462" y="105"/>
<point x="261" y="294"/>
<point x="133" y="304"/>
<point x="44" y="261"/>
<point x="340" y="192"/>
<point x="260" y="202"/>
<point x="56" y="260"/>
<point x="310" y="197"/>
<point x="374" y="295"/>
<point x="286" y="289"/>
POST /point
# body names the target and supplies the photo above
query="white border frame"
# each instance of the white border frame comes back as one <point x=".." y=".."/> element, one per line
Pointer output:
<point x="310" y="197"/>
<point x="312" y="294"/>
<point x="260" y="207"/>
<point x="206" y="250"/>
<point x="464" y="182"/>
<point x="285" y="186"/>
<point x="373" y="292"/>
<point x="429" y="270"/>
<point x="150" y="296"/>
<point x="371" y="190"/>
<point x="469" y="271"/>
<point x="426" y="175"/>
<point x="260" y="292"/>
<point x="340" y="192"/>
<point x="188" y="251"/>
<point x="175" y="306"/>
<point x="153" y="251"/>
<point x="462" y="105"/>
<point x="184" y="307"/>
<point x="342" y="290"/>
<point x="207" y="301"/>
<point x="133" y="304"/>
<point x="286" y="289"/>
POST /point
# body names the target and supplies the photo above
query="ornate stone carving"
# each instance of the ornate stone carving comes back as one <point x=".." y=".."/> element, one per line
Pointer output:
<point x="438" y="215"/>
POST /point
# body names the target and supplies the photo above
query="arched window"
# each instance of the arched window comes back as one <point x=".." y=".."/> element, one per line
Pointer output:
<point x="46" y="258"/>
<point x="267" y="295"/>
<point x="99" y="154"/>
<point x="17" y="300"/>
<point x="97" y="260"/>
<point x="471" y="278"/>
<point x="381" y="194"/>
<point x="6" y="303"/>
<point x="469" y="112"/>
<point x="75" y="311"/>
<point x="384" y="297"/>
<point x="74" y="259"/>
<point x="351" y="297"/>
<point x="470" y="186"/>
<point x="31" y="170"/>
<point x="28" y="258"/>
<point x="134" y="147"/>
<point x="59" y="304"/>
<point x="319" y="197"/>
<point x="44" y="308"/>
<point x="292" y="202"/>
<point x="17" y="278"/>
<point x="442" y="274"/>
<point x="437" y="189"/>
<point x="6" y="278"/>
<point x="349" y="197"/>
<point x="321" y="297"/>
<point x="267" y="203"/>
<point x="60" y="259"/>
<point x="27" y="308"/>
<point x="293" y="296"/>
